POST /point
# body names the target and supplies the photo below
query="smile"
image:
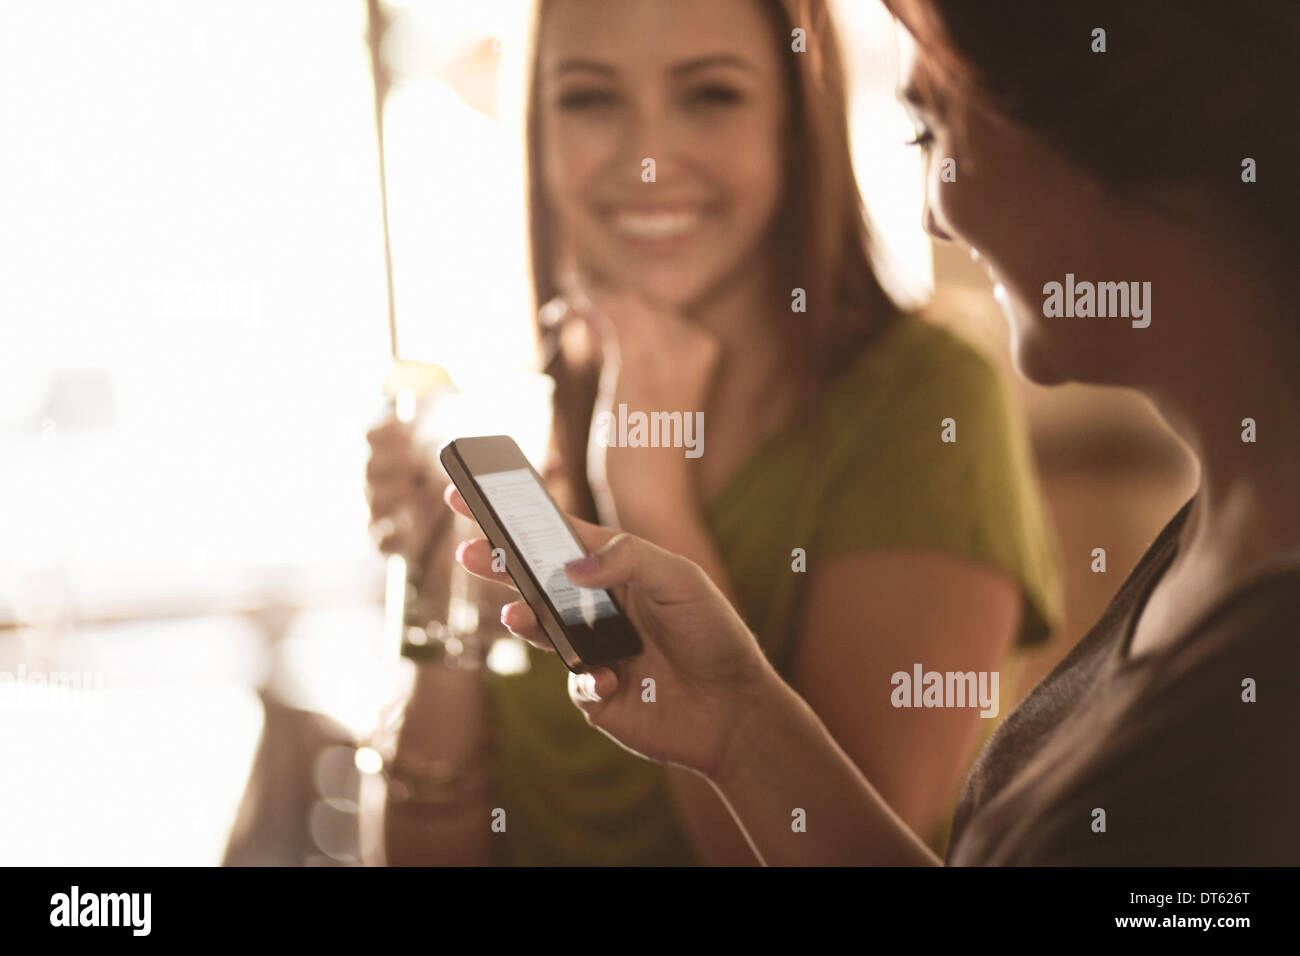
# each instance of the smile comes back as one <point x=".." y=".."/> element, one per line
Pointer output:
<point x="655" y="224"/>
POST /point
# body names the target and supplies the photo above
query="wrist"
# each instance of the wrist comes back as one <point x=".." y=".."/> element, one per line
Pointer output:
<point x="427" y="757"/>
<point x="766" y="712"/>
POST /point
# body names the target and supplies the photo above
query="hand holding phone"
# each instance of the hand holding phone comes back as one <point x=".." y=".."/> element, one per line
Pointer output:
<point x="525" y="528"/>
<point x="700" y="674"/>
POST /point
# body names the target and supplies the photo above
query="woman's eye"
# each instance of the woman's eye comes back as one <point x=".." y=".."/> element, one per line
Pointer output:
<point x="586" y="99"/>
<point x="924" y="138"/>
<point x="714" y="94"/>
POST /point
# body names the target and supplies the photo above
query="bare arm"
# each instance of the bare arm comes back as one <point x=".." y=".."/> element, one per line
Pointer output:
<point x="442" y="727"/>
<point x="937" y="610"/>
<point x="715" y="836"/>
<point x="783" y="769"/>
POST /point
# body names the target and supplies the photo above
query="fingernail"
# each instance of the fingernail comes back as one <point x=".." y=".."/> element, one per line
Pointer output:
<point x="584" y="565"/>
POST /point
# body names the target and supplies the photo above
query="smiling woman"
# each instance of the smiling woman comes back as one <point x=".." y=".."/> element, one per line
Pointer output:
<point x="753" y="177"/>
<point x="709" y="121"/>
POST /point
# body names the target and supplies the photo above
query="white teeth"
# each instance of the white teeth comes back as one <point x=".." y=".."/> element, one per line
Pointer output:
<point x="656" y="225"/>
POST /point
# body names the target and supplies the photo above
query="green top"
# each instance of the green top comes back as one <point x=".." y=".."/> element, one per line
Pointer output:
<point x="865" y="469"/>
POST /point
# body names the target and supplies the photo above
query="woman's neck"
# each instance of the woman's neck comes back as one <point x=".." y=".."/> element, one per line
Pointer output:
<point x="1230" y="393"/>
<point x="755" y="368"/>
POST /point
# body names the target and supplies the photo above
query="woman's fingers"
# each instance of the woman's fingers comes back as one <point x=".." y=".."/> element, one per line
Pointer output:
<point x="627" y="559"/>
<point x="380" y="469"/>
<point x="613" y="315"/>
<point x="394" y="470"/>
<point x="476" y="557"/>
<point x="520" y="621"/>
<point x="393" y="542"/>
<point x="455" y="502"/>
<point x="389" y="433"/>
<point x="592" y="687"/>
<point x="387" y="497"/>
<point x="593" y="536"/>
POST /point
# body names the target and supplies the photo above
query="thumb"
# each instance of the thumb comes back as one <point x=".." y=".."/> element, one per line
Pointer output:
<point x="627" y="559"/>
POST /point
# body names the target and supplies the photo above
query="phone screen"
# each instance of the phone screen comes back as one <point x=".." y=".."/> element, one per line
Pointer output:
<point x="545" y="543"/>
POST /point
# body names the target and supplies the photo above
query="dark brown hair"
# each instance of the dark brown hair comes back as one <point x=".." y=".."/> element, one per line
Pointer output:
<point x="1183" y="93"/>
<point x="821" y="241"/>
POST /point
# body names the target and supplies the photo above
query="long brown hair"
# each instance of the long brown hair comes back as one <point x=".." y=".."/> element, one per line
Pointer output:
<point x="821" y="238"/>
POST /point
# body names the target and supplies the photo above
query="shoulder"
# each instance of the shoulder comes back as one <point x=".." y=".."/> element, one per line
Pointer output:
<point x="918" y="399"/>
<point x="916" y="357"/>
<point x="1202" y="771"/>
<point x="1239" y="665"/>
<point x="923" y="448"/>
<point x="923" y="409"/>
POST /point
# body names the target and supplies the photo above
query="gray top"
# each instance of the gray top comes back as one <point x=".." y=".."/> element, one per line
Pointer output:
<point x="1187" y="771"/>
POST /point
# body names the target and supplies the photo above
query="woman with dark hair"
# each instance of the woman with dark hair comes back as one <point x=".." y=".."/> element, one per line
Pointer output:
<point x="700" y="247"/>
<point x="1134" y="146"/>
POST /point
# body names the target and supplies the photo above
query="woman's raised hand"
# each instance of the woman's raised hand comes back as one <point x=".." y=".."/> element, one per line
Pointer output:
<point x="656" y="360"/>
<point x="701" y="674"/>
<point x="402" y="488"/>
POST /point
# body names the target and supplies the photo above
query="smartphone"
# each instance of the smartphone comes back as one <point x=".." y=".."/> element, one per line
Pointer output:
<point x="506" y="496"/>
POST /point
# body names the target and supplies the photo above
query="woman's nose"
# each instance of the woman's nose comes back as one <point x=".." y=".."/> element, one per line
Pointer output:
<point x="651" y="135"/>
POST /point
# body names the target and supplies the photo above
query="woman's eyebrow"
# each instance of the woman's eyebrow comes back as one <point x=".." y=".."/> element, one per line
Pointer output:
<point x="922" y="98"/>
<point x="910" y="95"/>
<point x="582" y="66"/>
<point x="713" y="59"/>
<point x="683" y="68"/>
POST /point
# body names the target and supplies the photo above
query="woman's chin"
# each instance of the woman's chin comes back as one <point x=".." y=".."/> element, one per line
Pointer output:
<point x="1031" y="357"/>
<point x="1040" y="372"/>
<point x="1034" y="362"/>
<point x="669" y="291"/>
<point x="1029" y="353"/>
